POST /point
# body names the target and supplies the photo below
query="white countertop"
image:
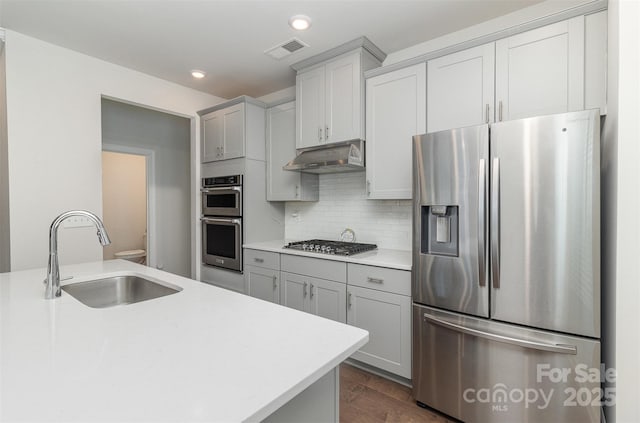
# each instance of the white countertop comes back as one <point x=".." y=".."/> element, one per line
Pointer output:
<point x="394" y="259"/>
<point x="203" y="354"/>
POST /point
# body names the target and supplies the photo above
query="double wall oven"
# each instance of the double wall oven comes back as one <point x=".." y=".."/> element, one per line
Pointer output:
<point x="222" y="222"/>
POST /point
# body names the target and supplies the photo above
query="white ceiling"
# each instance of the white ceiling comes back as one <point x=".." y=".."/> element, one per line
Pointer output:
<point x="227" y="38"/>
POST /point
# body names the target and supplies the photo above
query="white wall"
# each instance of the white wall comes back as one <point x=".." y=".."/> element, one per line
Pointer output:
<point x="343" y="204"/>
<point x="167" y="137"/>
<point x="624" y="96"/>
<point x="54" y="138"/>
<point x="124" y="201"/>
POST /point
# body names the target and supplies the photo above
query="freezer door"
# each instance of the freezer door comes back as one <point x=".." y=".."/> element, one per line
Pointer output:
<point x="482" y="371"/>
<point x="545" y="222"/>
<point x="450" y="171"/>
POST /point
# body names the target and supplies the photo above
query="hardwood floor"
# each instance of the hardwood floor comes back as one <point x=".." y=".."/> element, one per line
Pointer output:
<point x="368" y="398"/>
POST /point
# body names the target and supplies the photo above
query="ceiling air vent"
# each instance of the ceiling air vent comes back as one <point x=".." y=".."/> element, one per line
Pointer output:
<point x="285" y="49"/>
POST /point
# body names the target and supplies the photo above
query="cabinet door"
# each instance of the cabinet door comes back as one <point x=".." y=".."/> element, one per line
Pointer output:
<point x="460" y="89"/>
<point x="387" y="317"/>
<point x="595" y="61"/>
<point x="283" y="185"/>
<point x="328" y="299"/>
<point x="395" y="104"/>
<point x="310" y="108"/>
<point x="541" y="71"/>
<point x="294" y="291"/>
<point x="343" y="99"/>
<point x="233" y="141"/>
<point x="262" y="283"/>
<point x="211" y="137"/>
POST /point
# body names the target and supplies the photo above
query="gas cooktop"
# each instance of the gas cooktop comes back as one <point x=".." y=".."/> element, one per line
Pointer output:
<point x="338" y="248"/>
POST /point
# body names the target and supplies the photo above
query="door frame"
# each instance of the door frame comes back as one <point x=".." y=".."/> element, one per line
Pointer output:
<point x="150" y="162"/>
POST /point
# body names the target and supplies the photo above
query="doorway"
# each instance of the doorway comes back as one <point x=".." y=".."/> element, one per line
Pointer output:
<point x="125" y="181"/>
<point x="164" y="140"/>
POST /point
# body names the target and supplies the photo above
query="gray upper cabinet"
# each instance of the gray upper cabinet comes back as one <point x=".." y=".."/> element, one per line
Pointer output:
<point x="233" y="129"/>
<point x="283" y="185"/>
<point x="541" y="71"/>
<point x="330" y="93"/>
<point x="396" y="103"/>
<point x="595" y="61"/>
<point x="460" y="89"/>
<point x="552" y="69"/>
<point x="330" y="102"/>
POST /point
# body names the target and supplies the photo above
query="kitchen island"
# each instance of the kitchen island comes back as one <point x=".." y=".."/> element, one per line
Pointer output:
<point x="202" y="354"/>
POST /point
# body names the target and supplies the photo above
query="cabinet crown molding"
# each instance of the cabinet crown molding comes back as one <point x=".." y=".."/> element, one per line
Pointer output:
<point x="362" y="42"/>
<point x="233" y="101"/>
<point x="591" y="7"/>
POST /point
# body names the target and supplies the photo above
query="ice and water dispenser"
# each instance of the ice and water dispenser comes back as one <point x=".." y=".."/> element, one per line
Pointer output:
<point x="439" y="230"/>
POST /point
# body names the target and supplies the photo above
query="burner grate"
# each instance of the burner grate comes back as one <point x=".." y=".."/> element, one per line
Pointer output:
<point x="338" y="248"/>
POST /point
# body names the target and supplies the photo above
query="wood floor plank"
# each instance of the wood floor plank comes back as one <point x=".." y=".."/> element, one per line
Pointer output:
<point x="368" y="398"/>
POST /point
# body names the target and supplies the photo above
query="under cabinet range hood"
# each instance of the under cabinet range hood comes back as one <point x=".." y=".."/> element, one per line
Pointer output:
<point x="347" y="156"/>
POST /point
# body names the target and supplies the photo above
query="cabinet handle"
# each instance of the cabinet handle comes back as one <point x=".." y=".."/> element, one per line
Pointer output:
<point x="304" y="291"/>
<point x="349" y="299"/>
<point x="500" y="110"/>
<point x="319" y="134"/>
<point x="311" y="290"/>
<point x="326" y="132"/>
<point x="258" y="260"/>
<point x="486" y="114"/>
<point x="275" y="282"/>
<point x="375" y="280"/>
<point x="368" y="187"/>
<point x="297" y="191"/>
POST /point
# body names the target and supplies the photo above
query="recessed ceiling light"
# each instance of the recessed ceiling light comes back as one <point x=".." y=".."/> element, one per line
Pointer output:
<point x="198" y="74"/>
<point x="300" y="22"/>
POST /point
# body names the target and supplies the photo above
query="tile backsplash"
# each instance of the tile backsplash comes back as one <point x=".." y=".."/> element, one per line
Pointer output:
<point x="343" y="204"/>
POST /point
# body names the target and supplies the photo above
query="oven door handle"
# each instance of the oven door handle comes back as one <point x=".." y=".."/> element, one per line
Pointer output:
<point x="220" y="220"/>
<point x="218" y="189"/>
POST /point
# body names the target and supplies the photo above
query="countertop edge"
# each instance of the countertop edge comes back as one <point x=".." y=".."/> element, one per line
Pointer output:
<point x="401" y="258"/>
<point x="275" y="405"/>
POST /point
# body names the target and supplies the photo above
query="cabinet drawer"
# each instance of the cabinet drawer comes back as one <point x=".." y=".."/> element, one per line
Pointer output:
<point x="262" y="258"/>
<point x="380" y="278"/>
<point x="318" y="268"/>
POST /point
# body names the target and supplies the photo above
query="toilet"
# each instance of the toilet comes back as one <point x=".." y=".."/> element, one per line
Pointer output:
<point x="136" y="256"/>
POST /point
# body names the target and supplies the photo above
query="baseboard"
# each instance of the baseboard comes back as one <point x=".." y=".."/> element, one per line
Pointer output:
<point x="379" y="372"/>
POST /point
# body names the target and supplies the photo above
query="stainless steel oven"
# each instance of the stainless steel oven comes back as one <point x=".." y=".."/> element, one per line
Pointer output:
<point x="222" y="222"/>
<point x="222" y="196"/>
<point x="222" y="242"/>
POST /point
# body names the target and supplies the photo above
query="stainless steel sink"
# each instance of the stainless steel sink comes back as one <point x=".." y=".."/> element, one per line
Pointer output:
<point x="118" y="290"/>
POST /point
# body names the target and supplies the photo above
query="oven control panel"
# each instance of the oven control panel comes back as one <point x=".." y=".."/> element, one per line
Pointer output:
<point x="221" y="181"/>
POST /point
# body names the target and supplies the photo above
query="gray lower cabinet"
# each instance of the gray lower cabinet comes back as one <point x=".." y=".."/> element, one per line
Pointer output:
<point x="373" y="298"/>
<point x="321" y="297"/>
<point x="294" y="291"/>
<point x="262" y="283"/>
<point x="262" y="274"/>
<point x="379" y="301"/>
<point x="314" y="285"/>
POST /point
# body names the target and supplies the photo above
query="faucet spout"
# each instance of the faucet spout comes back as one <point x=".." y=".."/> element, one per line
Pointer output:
<point x="52" y="289"/>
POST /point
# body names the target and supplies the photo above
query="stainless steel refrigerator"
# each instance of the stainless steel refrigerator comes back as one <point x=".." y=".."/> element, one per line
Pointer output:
<point x="506" y="270"/>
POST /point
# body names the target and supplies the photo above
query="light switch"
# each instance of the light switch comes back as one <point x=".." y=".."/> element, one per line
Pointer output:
<point x="443" y="229"/>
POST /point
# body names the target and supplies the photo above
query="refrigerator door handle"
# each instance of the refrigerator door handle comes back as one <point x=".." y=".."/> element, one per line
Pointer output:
<point x="495" y="223"/>
<point x="557" y="348"/>
<point x="482" y="176"/>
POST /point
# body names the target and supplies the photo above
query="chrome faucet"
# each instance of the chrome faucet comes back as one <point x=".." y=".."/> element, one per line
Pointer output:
<point x="52" y="282"/>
